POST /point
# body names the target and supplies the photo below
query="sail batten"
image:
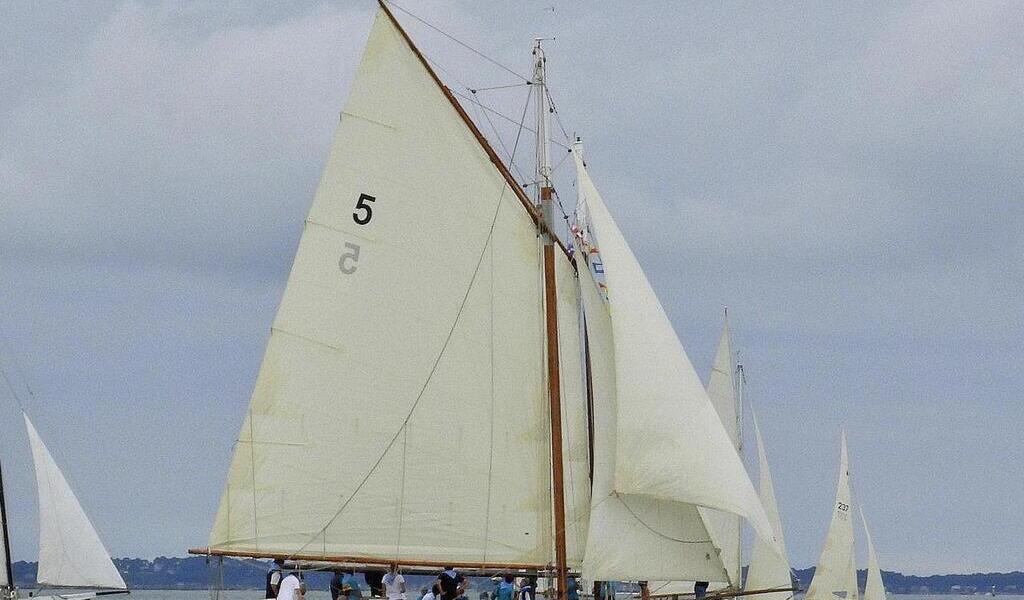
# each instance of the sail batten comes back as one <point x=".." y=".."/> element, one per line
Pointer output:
<point x="70" y="551"/>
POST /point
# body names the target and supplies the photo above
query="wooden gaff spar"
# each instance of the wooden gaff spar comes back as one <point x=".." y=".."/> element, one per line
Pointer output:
<point x="423" y="397"/>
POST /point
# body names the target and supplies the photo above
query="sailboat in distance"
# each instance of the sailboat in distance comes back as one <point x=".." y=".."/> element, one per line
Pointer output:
<point x="71" y="554"/>
<point x="836" y="573"/>
<point x="874" y="589"/>
<point x="432" y="314"/>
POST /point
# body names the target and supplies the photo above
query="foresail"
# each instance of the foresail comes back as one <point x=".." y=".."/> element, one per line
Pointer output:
<point x="401" y="411"/>
<point x="725" y="527"/>
<point x="6" y="577"/>
<point x="670" y="443"/>
<point x="832" y="576"/>
<point x="874" y="589"/>
<point x="632" y="537"/>
<point x="769" y="565"/>
<point x="70" y="550"/>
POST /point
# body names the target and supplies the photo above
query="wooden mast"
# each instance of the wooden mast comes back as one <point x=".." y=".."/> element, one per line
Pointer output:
<point x="551" y="317"/>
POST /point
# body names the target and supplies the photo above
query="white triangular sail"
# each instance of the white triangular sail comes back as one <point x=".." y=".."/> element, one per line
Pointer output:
<point x="631" y="536"/>
<point x="769" y="568"/>
<point x="832" y="577"/>
<point x="70" y="551"/>
<point x="724" y="527"/>
<point x="670" y="443"/>
<point x="401" y="409"/>
<point x="874" y="589"/>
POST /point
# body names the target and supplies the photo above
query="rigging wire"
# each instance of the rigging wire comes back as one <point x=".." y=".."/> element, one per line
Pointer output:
<point x="457" y="41"/>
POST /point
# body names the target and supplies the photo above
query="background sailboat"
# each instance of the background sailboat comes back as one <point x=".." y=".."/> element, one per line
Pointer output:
<point x="836" y="572"/>
<point x="874" y="589"/>
<point x="71" y="554"/>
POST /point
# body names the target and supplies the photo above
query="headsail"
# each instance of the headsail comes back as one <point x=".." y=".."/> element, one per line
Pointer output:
<point x="769" y="565"/>
<point x="874" y="589"/>
<point x="670" y="444"/>
<point x="725" y="527"/>
<point x="6" y="576"/>
<point x="832" y="577"/>
<point x="632" y="536"/>
<point x="401" y="411"/>
<point x="70" y="551"/>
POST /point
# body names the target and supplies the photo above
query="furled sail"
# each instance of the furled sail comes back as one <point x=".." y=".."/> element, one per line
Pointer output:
<point x="631" y="536"/>
<point x="874" y="589"/>
<point x="401" y="410"/>
<point x="670" y="443"/>
<point x="724" y="527"/>
<point x="832" y="577"/>
<point x="70" y="551"/>
<point x="769" y="565"/>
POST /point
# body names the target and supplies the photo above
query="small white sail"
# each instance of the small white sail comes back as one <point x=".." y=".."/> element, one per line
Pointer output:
<point x="769" y="568"/>
<point x="874" y="589"/>
<point x="670" y="443"/>
<point x="70" y="551"/>
<point x="832" y="577"/>
<point x="401" y="409"/>
<point x="725" y="527"/>
<point x="631" y="536"/>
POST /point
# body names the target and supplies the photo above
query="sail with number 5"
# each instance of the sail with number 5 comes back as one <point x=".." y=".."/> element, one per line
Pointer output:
<point x="401" y="411"/>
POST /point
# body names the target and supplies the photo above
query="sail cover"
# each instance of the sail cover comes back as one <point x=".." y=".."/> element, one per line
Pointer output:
<point x="832" y="577"/>
<point x="769" y="565"/>
<point x="70" y="551"/>
<point x="874" y="589"/>
<point x="670" y="443"/>
<point x="725" y="527"/>
<point x="632" y="536"/>
<point x="401" y="410"/>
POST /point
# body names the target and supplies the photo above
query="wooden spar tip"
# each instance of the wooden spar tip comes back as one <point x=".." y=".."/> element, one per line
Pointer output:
<point x="538" y="219"/>
<point x="322" y="560"/>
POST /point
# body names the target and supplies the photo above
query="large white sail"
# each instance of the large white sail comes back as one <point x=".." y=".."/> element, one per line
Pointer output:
<point x="769" y="565"/>
<point x="670" y="443"/>
<point x="724" y="527"/>
<point x="832" y="577"/>
<point x="632" y="536"/>
<point x="401" y="409"/>
<point x="874" y="589"/>
<point x="70" y="551"/>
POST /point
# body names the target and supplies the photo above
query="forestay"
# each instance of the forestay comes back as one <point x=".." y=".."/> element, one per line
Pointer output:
<point x="631" y="537"/>
<point x="725" y="527"/>
<point x="836" y="575"/>
<point x="401" y="410"/>
<point x="769" y="565"/>
<point x="874" y="589"/>
<point x="670" y="444"/>
<point x="70" y="551"/>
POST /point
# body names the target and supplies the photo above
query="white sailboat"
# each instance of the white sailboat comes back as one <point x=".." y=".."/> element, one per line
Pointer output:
<point x="769" y="564"/>
<point x="425" y="393"/>
<point x="71" y="554"/>
<point x="874" y="589"/>
<point x="836" y="573"/>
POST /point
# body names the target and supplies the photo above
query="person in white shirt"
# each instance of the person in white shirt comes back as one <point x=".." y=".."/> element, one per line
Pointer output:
<point x="394" y="584"/>
<point x="434" y="593"/>
<point x="291" y="588"/>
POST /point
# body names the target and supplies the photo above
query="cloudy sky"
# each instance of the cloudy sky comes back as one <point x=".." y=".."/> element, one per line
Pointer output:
<point x="846" y="178"/>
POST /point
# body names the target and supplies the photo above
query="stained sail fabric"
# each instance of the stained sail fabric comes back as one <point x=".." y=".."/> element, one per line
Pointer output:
<point x="400" y="411"/>
<point x="874" y="589"/>
<point x="670" y="443"/>
<point x="832" y="577"/>
<point x="725" y="527"/>
<point x="70" y="551"/>
<point x="631" y="537"/>
<point x="575" y="434"/>
<point x="769" y="568"/>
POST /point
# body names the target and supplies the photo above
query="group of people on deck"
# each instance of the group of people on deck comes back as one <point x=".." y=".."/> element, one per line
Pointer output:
<point x="449" y="585"/>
